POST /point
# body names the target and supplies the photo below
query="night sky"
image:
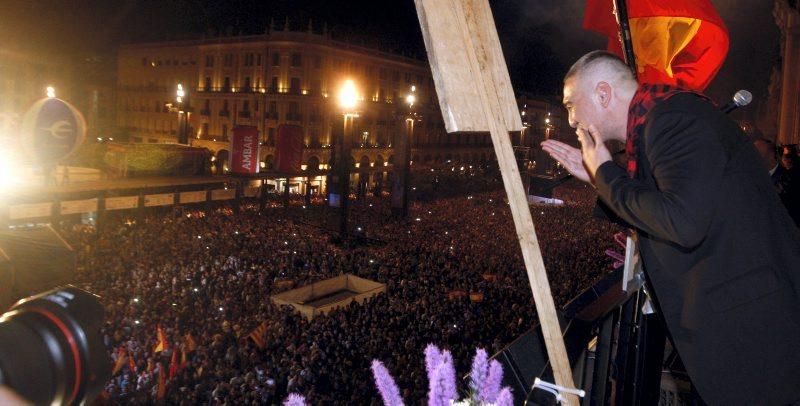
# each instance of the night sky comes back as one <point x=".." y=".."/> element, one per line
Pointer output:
<point x="541" y="38"/>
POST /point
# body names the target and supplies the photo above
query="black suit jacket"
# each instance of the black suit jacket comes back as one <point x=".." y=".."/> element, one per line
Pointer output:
<point x="721" y="254"/>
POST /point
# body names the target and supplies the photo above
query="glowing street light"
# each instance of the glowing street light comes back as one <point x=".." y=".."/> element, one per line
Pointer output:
<point x="348" y="95"/>
<point x="51" y="92"/>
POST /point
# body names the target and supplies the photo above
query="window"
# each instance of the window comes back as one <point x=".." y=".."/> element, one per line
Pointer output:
<point x="295" y="86"/>
<point x="227" y="86"/>
<point x="274" y="85"/>
<point x="297" y="60"/>
<point x="246" y="105"/>
<point x="207" y="105"/>
<point x="247" y="84"/>
<point x="224" y="131"/>
<point x="225" y="105"/>
<point x="395" y="76"/>
<point x="227" y="61"/>
<point x="209" y="61"/>
<point x="249" y="59"/>
<point x="207" y="83"/>
<point x="276" y="59"/>
<point x="205" y="130"/>
<point x="258" y="60"/>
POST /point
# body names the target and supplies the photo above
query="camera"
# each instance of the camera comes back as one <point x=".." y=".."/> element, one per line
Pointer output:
<point x="51" y="350"/>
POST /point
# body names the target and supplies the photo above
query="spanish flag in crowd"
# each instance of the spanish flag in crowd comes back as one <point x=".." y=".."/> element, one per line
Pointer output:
<point x="131" y="363"/>
<point x="173" y="364"/>
<point x="258" y="335"/>
<point x="191" y="344"/>
<point x="122" y="358"/>
<point x="162" y="382"/>
<point x="676" y="42"/>
<point x="162" y="340"/>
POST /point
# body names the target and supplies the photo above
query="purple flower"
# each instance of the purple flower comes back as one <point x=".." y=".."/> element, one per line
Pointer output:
<point x="491" y="386"/>
<point x="436" y="394"/>
<point x="433" y="357"/>
<point x="505" y="398"/>
<point x="294" y="399"/>
<point x="386" y="385"/>
<point x="477" y="375"/>
<point x="449" y="376"/>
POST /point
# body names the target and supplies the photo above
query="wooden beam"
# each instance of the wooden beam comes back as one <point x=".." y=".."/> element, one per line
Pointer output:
<point x="475" y="94"/>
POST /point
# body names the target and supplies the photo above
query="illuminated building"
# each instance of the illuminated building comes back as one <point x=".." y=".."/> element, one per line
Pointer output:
<point x="786" y="81"/>
<point x="284" y="77"/>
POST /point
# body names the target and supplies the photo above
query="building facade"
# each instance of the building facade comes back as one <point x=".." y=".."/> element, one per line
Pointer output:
<point x="290" y="77"/>
<point x="786" y="82"/>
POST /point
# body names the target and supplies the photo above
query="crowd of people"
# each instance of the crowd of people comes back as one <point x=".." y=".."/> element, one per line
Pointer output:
<point x="204" y="279"/>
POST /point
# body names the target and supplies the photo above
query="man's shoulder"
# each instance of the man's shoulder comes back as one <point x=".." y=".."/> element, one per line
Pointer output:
<point x="684" y="102"/>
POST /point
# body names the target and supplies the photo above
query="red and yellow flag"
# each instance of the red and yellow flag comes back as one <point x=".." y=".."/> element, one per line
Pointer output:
<point x="191" y="344"/>
<point x="173" y="364"/>
<point x="258" y="335"/>
<point x="162" y="340"/>
<point x="162" y="382"/>
<point x="122" y="358"/>
<point x="676" y="42"/>
<point x="131" y="363"/>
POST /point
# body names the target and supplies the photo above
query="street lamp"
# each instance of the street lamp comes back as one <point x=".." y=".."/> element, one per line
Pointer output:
<point x="348" y="101"/>
<point x="183" y="115"/>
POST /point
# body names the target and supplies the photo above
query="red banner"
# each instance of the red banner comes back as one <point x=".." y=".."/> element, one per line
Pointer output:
<point x="289" y="152"/>
<point x="244" y="150"/>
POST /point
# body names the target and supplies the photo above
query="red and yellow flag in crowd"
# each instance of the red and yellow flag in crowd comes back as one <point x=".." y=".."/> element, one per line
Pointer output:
<point x="122" y="358"/>
<point x="258" y="335"/>
<point x="131" y="363"/>
<point x="191" y="344"/>
<point x="162" y="340"/>
<point x="676" y="42"/>
<point x="162" y="382"/>
<point x="173" y="364"/>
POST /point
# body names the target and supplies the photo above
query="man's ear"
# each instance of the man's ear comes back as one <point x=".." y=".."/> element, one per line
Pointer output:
<point x="603" y="93"/>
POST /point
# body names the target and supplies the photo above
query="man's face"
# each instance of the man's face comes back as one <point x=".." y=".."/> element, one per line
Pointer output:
<point x="578" y="102"/>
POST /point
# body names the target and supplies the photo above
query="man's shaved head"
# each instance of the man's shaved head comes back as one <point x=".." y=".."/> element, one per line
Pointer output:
<point x="597" y="91"/>
<point x="602" y="64"/>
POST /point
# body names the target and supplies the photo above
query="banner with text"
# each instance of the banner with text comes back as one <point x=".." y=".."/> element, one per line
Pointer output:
<point x="289" y="151"/>
<point x="244" y="150"/>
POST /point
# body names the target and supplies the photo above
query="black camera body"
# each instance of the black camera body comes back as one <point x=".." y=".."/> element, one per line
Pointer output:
<point x="51" y="349"/>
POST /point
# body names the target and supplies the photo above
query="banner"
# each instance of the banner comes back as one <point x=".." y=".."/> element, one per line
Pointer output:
<point x="160" y="199"/>
<point x="244" y="150"/>
<point x="122" y="202"/>
<point x="251" y="191"/>
<point x="31" y="210"/>
<point x="223" y="194"/>
<point x="198" y="196"/>
<point x="289" y="150"/>
<point x="79" y="206"/>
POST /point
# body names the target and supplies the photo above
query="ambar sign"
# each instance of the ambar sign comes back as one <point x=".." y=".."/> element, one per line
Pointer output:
<point x="244" y="150"/>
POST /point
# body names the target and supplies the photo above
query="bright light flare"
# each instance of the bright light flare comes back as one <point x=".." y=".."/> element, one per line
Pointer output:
<point x="51" y="92"/>
<point x="348" y="95"/>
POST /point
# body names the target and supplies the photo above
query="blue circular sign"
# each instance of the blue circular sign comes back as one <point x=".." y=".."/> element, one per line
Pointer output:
<point x="52" y="129"/>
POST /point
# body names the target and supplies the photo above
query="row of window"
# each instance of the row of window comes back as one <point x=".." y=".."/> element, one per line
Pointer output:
<point x="254" y="59"/>
<point x="167" y="62"/>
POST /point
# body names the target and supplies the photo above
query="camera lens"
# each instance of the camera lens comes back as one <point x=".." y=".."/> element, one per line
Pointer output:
<point x="51" y="350"/>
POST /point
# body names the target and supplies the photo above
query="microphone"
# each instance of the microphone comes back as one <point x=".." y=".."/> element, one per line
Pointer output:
<point x="740" y="99"/>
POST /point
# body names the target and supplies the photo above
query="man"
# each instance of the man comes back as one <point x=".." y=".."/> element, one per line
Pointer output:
<point x="785" y="183"/>
<point x="720" y="254"/>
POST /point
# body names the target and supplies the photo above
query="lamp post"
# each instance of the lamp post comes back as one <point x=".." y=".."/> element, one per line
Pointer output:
<point x="410" y="99"/>
<point x="348" y="101"/>
<point x="183" y="115"/>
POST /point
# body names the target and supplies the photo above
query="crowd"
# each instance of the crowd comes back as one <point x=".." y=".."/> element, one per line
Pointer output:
<point x="204" y="279"/>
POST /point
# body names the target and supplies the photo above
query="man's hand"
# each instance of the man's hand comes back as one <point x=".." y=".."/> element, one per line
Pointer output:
<point x="595" y="152"/>
<point x="569" y="157"/>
